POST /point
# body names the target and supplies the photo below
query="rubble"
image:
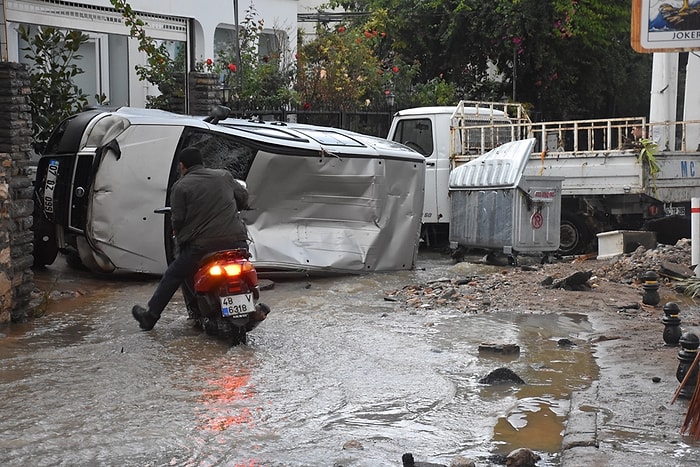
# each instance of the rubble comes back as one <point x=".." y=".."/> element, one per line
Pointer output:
<point x="535" y="287"/>
<point x="628" y="268"/>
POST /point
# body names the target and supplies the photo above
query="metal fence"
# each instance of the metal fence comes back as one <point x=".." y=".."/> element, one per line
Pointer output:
<point x="368" y="123"/>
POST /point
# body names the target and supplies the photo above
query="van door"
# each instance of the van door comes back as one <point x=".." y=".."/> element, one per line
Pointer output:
<point x="417" y="133"/>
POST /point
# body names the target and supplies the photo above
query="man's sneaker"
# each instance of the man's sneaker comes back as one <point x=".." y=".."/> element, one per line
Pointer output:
<point x="144" y="317"/>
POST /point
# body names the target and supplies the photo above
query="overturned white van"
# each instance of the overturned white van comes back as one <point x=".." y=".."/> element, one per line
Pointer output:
<point x="323" y="200"/>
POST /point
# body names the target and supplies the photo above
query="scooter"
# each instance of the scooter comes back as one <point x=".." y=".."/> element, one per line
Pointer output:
<point x="227" y="294"/>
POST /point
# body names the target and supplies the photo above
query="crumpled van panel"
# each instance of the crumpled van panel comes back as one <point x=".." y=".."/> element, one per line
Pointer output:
<point x="330" y="213"/>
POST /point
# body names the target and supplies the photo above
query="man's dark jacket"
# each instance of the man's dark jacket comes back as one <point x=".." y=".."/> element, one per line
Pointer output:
<point x="205" y="204"/>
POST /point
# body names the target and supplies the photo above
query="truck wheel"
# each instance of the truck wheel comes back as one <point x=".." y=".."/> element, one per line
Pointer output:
<point x="573" y="235"/>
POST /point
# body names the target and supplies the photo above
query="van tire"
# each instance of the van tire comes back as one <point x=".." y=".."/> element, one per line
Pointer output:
<point x="45" y="248"/>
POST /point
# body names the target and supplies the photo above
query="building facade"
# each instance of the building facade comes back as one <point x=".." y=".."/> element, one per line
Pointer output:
<point x="196" y="28"/>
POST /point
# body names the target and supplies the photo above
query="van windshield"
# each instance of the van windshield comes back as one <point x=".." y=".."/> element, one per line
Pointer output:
<point x="415" y="133"/>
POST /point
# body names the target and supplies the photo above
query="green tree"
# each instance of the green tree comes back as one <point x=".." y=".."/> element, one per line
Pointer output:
<point x="52" y="54"/>
<point x="338" y="69"/>
<point x="568" y="58"/>
<point x="354" y="66"/>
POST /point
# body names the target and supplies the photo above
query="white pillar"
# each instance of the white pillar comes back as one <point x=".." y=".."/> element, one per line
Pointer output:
<point x="691" y="105"/>
<point x="695" y="234"/>
<point x="664" y="91"/>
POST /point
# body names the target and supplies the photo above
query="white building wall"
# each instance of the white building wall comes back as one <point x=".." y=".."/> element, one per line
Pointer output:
<point x="176" y="20"/>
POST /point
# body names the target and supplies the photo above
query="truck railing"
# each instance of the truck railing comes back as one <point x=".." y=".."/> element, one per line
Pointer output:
<point x="578" y="137"/>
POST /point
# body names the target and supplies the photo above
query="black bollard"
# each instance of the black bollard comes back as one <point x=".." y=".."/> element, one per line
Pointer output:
<point x="689" y="349"/>
<point x="672" y="324"/>
<point x="651" y="288"/>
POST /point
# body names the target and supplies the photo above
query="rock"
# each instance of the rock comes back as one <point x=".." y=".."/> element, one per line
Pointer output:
<point x="460" y="461"/>
<point x="565" y="343"/>
<point x="408" y="461"/>
<point x="499" y="348"/>
<point x="576" y="281"/>
<point x="676" y="271"/>
<point x="501" y="375"/>
<point x="522" y="457"/>
<point x="353" y="444"/>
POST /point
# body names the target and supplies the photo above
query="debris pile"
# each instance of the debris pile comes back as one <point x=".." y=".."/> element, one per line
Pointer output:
<point x="535" y="287"/>
<point x="669" y="261"/>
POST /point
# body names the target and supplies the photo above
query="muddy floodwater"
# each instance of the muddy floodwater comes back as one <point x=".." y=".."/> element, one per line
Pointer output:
<point x="336" y="376"/>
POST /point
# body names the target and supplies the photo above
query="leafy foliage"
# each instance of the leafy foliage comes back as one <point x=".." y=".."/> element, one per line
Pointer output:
<point x="567" y="58"/>
<point x="355" y="66"/>
<point x="338" y="69"/>
<point x="52" y="54"/>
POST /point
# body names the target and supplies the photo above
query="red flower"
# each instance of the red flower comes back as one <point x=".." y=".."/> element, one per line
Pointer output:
<point x="209" y="61"/>
<point x="341" y="29"/>
<point x="232" y="67"/>
<point x="395" y="69"/>
<point x="383" y="34"/>
<point x="368" y="34"/>
<point x="296" y="56"/>
<point x="307" y="106"/>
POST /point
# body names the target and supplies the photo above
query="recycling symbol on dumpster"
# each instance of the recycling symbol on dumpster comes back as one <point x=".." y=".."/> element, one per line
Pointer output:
<point x="537" y="220"/>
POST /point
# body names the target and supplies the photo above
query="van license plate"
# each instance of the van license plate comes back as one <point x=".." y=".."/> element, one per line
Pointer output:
<point x="237" y="306"/>
<point x="50" y="185"/>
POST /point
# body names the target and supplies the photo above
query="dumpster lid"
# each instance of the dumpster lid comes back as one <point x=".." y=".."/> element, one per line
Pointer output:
<point x="501" y="167"/>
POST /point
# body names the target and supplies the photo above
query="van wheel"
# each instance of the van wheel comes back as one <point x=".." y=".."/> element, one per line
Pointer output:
<point x="573" y="235"/>
<point x="45" y="249"/>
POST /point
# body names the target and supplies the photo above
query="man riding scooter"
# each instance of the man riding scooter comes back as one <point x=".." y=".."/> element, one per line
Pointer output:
<point x="204" y="211"/>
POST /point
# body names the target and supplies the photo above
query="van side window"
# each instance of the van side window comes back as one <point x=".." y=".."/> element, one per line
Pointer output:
<point x="417" y="134"/>
<point x="222" y="152"/>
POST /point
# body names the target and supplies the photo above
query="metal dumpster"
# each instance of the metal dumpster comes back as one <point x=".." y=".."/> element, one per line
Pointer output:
<point x="495" y="207"/>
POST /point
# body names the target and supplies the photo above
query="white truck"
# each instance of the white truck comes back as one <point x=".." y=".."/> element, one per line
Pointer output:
<point x="613" y="178"/>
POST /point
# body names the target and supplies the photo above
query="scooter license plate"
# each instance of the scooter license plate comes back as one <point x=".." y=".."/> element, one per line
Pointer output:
<point x="236" y="306"/>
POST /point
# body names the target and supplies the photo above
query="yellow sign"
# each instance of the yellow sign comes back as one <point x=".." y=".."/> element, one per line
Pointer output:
<point x="665" y="25"/>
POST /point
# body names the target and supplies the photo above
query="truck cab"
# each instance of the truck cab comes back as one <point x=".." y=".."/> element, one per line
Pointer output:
<point x="427" y="131"/>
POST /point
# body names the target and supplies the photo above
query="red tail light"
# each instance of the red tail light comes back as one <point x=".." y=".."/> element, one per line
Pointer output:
<point x="230" y="269"/>
<point x="237" y="274"/>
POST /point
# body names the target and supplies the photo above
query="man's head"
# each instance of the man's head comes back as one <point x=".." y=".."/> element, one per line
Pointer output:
<point x="190" y="156"/>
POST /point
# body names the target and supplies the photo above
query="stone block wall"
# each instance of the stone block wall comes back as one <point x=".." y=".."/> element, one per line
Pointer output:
<point x="204" y="93"/>
<point x="16" y="193"/>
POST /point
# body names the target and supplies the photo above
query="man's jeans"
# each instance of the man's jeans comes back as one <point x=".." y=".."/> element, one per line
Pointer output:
<point x="181" y="272"/>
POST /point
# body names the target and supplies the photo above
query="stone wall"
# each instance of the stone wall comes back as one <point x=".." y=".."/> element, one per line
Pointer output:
<point x="16" y="191"/>
<point x="204" y="93"/>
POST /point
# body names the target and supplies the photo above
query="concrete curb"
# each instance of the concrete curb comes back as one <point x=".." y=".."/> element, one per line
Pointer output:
<point x="580" y="440"/>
